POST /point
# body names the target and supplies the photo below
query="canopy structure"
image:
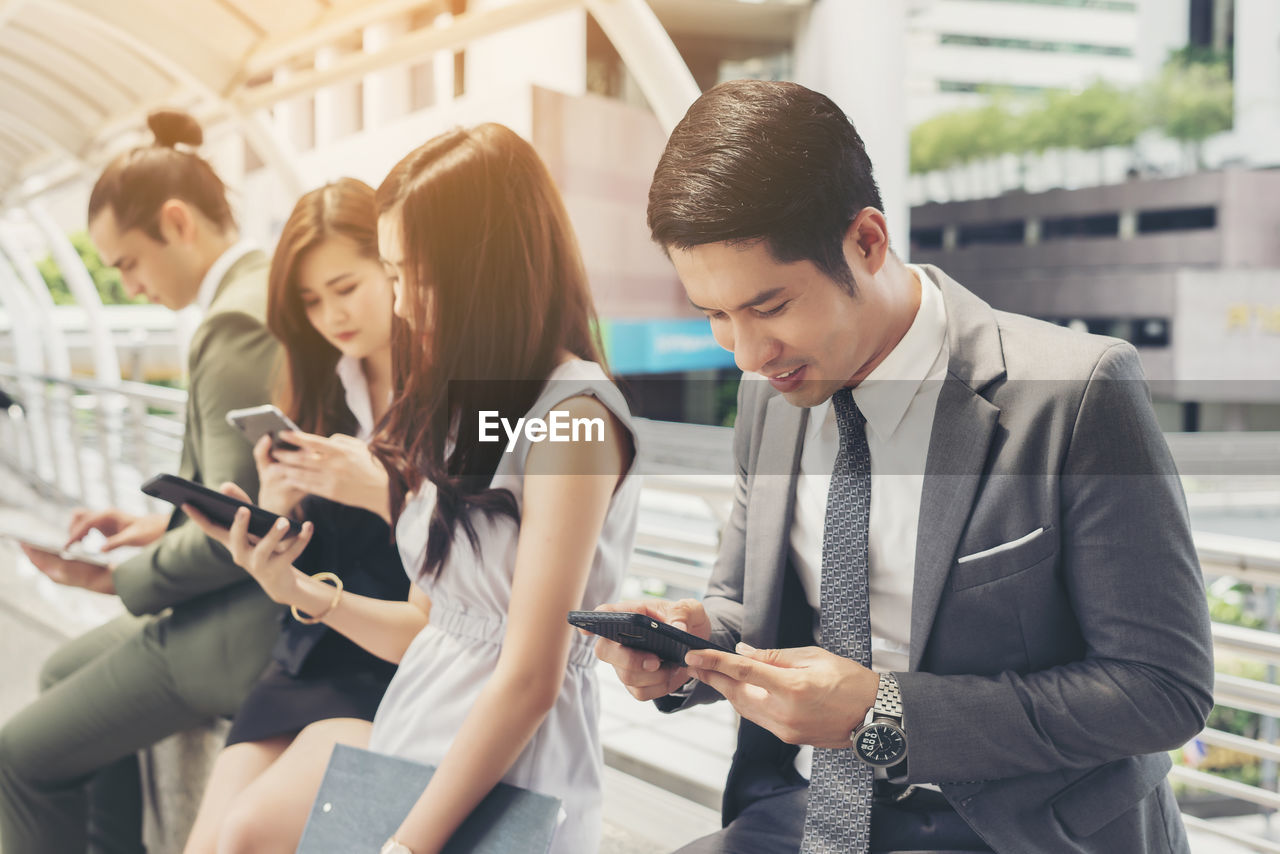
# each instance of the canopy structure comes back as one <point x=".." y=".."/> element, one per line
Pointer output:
<point x="78" y="76"/>
<point x="74" y="74"/>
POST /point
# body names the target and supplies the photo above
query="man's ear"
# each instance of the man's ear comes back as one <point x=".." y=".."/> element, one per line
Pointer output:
<point x="866" y="242"/>
<point x="177" y="222"/>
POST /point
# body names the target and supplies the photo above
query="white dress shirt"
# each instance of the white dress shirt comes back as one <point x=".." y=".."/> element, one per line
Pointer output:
<point x="898" y="399"/>
<point x="359" y="400"/>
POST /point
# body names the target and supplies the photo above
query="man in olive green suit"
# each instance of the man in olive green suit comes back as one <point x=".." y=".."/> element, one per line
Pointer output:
<point x="199" y="630"/>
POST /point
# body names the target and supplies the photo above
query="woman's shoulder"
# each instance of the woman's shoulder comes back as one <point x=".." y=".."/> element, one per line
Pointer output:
<point x="580" y="378"/>
<point x="574" y="368"/>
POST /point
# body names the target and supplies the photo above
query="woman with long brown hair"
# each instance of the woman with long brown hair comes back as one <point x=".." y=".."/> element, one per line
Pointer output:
<point x="505" y="536"/>
<point x="329" y="303"/>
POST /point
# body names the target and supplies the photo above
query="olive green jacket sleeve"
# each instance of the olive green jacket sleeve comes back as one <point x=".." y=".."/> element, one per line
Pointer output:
<point x="232" y="361"/>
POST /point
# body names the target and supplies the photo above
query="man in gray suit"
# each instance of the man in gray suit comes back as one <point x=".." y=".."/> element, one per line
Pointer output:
<point x="989" y="645"/>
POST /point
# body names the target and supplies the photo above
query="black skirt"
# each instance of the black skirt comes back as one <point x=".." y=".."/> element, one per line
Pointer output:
<point x="317" y="674"/>
<point x="283" y="704"/>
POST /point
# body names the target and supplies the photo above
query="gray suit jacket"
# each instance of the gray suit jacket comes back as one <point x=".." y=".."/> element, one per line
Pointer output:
<point x="1047" y="680"/>
<point x="219" y="625"/>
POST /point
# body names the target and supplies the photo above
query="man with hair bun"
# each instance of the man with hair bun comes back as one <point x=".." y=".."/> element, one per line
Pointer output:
<point x="199" y="631"/>
<point x="958" y="571"/>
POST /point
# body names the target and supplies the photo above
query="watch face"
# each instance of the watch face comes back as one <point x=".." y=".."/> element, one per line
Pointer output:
<point x="881" y="744"/>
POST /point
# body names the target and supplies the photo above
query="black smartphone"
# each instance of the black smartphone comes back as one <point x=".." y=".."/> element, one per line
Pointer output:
<point x="642" y="632"/>
<point x="221" y="509"/>
<point x="258" y="421"/>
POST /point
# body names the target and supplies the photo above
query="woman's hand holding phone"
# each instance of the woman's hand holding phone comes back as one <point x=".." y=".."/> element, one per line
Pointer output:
<point x="270" y="559"/>
<point x="340" y="468"/>
<point x="275" y="489"/>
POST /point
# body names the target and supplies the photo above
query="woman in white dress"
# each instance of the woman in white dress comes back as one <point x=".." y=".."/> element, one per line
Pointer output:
<point x="504" y="536"/>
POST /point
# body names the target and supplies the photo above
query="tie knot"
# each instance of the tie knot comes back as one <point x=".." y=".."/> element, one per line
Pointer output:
<point x="849" y="418"/>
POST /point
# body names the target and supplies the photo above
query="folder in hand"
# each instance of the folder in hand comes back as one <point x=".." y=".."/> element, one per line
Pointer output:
<point x="365" y="796"/>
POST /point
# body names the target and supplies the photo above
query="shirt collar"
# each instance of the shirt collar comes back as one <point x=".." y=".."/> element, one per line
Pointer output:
<point x="886" y="393"/>
<point x="218" y="270"/>
<point x="356" y="386"/>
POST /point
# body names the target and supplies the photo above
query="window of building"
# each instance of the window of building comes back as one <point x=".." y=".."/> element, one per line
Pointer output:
<point x="1034" y="45"/>
<point x="1138" y="331"/>
<point x="1177" y="219"/>
<point x="1149" y="332"/>
<point x="926" y="238"/>
<point x="981" y="87"/>
<point x="991" y="233"/>
<point x="1092" y="225"/>
<point x="1104" y="5"/>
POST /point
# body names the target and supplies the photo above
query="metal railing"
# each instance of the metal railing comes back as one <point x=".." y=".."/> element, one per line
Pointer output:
<point x="85" y="442"/>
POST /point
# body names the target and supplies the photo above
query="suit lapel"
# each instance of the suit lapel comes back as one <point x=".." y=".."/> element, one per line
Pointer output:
<point x="963" y="426"/>
<point x="962" y="431"/>
<point x="769" y="518"/>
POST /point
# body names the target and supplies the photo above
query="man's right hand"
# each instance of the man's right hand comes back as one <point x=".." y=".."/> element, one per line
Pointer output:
<point x="120" y="528"/>
<point x="644" y="674"/>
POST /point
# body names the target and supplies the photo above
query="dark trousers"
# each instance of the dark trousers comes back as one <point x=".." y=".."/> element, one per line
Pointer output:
<point x="68" y="766"/>
<point x="923" y="822"/>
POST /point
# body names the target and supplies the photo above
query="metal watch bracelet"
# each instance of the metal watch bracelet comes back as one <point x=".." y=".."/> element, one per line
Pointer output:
<point x="888" y="698"/>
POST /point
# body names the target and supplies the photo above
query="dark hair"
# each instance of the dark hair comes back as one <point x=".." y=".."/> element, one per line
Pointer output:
<point x="756" y="160"/>
<point x="137" y="183"/>
<point x="307" y="391"/>
<point x="496" y="289"/>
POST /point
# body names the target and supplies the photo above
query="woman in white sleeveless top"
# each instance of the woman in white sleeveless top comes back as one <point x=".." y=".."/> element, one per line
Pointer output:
<point x="446" y="671"/>
<point x="504" y="536"/>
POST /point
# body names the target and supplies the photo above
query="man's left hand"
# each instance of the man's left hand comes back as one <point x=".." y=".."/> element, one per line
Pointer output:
<point x="72" y="573"/>
<point x="804" y="695"/>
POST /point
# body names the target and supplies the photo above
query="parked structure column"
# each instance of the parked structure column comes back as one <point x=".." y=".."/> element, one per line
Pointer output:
<point x="853" y="51"/>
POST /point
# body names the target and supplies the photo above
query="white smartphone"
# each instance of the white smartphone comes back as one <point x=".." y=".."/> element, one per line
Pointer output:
<point x="54" y="547"/>
<point x="258" y="421"/>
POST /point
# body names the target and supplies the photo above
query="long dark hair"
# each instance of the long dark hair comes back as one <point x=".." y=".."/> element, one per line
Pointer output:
<point x="137" y="183"/>
<point x="306" y="389"/>
<point x="496" y="290"/>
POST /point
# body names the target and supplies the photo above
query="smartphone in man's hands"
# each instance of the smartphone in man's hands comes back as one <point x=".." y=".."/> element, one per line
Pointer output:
<point x="642" y="632"/>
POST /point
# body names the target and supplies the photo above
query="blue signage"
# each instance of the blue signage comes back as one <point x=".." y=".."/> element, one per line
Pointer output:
<point x="662" y="346"/>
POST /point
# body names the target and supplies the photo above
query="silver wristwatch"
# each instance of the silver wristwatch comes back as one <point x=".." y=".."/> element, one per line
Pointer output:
<point x="394" y="846"/>
<point x="881" y="741"/>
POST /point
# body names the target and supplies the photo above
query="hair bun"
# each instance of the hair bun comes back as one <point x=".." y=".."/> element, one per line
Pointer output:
<point x="173" y="126"/>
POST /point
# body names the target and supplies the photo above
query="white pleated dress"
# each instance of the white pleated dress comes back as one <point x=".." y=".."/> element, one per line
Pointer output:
<point x="451" y="659"/>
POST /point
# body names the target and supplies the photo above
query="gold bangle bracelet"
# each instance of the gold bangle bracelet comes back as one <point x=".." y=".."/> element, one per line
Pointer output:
<point x="322" y="577"/>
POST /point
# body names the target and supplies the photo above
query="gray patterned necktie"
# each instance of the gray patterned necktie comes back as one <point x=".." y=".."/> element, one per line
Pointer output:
<point x="839" y="816"/>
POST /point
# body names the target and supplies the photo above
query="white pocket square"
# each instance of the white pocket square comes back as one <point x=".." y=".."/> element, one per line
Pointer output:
<point x="1003" y="547"/>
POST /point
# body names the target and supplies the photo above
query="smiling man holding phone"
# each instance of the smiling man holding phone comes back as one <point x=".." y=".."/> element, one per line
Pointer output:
<point x="944" y="518"/>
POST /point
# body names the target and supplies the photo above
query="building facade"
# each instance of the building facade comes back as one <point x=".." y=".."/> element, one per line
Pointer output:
<point x="962" y="49"/>
<point x="1187" y="269"/>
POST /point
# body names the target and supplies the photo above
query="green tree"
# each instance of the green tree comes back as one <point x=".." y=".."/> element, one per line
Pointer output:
<point x="1101" y="116"/>
<point x="1042" y="124"/>
<point x="107" y="279"/>
<point x="961" y="136"/>
<point x="1192" y="101"/>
